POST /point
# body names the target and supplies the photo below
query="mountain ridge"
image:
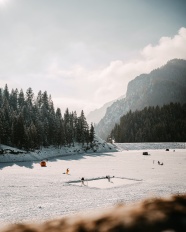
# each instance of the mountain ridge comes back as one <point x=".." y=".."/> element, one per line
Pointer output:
<point x="161" y="86"/>
<point x="96" y="115"/>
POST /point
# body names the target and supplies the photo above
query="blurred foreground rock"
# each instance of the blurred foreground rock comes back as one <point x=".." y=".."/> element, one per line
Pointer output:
<point x="154" y="214"/>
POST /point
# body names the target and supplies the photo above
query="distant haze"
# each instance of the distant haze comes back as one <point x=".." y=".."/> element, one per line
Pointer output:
<point x="84" y="53"/>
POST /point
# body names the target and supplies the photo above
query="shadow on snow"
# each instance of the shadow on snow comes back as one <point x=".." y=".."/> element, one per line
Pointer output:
<point x="68" y="157"/>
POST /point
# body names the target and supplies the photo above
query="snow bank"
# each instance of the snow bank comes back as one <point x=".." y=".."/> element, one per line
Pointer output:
<point x="98" y="146"/>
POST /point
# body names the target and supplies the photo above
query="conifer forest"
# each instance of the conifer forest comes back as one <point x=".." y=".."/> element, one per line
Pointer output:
<point x="31" y="122"/>
<point x="152" y="124"/>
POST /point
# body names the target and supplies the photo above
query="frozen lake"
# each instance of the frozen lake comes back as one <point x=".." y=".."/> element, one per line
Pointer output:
<point x="151" y="146"/>
<point x="30" y="192"/>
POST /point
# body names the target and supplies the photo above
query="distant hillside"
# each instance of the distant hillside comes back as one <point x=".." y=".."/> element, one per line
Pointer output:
<point x="161" y="86"/>
<point x="152" y="124"/>
<point x="96" y="115"/>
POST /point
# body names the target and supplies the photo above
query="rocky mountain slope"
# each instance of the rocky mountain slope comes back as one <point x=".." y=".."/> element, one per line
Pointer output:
<point x="96" y="115"/>
<point x="161" y="86"/>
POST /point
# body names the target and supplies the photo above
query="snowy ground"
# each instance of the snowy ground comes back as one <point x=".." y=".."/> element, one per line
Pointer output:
<point x="30" y="192"/>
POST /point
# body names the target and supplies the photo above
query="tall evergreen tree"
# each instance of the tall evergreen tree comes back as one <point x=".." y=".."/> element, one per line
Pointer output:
<point x="83" y="127"/>
<point x="1" y="98"/>
<point x="92" y="133"/>
<point x="20" y="131"/>
<point x="1" y="128"/>
<point x="6" y="93"/>
<point x="45" y="100"/>
<point x="13" y="101"/>
<point x="21" y="99"/>
<point x="60" y="136"/>
<point x="39" y="99"/>
<point x="6" y="120"/>
<point x="29" y="96"/>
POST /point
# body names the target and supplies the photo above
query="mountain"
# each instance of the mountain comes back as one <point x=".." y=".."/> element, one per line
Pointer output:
<point x="96" y="115"/>
<point x="159" y="87"/>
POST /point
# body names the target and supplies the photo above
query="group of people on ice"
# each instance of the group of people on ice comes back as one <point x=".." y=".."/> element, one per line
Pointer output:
<point x="83" y="179"/>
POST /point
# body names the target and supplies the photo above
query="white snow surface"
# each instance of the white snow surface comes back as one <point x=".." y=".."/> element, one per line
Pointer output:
<point x="29" y="192"/>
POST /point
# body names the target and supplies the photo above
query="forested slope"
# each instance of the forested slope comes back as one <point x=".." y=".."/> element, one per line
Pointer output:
<point x="29" y="122"/>
<point x="161" y="86"/>
<point x="153" y="124"/>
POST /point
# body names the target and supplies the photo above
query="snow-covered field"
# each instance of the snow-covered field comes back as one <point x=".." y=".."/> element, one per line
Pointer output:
<point x="30" y="192"/>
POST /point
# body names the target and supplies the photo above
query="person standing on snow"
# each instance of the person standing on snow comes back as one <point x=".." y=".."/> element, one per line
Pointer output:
<point x="82" y="181"/>
<point x="108" y="177"/>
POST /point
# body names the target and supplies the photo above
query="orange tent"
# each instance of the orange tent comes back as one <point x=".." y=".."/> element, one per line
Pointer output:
<point x="43" y="163"/>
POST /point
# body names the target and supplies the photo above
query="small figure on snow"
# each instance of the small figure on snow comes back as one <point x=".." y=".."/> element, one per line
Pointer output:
<point x="82" y="181"/>
<point x="67" y="171"/>
<point x="108" y="177"/>
<point x="43" y="163"/>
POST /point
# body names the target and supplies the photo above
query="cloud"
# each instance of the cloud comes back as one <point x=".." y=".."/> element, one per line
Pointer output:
<point x="167" y="48"/>
<point x="4" y="3"/>
<point x="81" y="87"/>
<point x="114" y="78"/>
<point x="90" y="88"/>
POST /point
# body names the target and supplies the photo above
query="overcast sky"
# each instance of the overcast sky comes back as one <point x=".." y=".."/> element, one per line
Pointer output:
<point x="84" y="52"/>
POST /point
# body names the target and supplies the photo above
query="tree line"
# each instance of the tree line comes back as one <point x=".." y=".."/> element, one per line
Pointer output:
<point x="31" y="122"/>
<point x="152" y="124"/>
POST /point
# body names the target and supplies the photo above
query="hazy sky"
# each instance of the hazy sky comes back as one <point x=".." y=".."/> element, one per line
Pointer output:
<point x="84" y="52"/>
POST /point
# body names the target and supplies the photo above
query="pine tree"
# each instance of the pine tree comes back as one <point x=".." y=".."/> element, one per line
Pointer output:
<point x="40" y="132"/>
<point x="20" y="131"/>
<point x="29" y="96"/>
<point x="59" y="129"/>
<point x="75" y="125"/>
<point x="1" y="127"/>
<point x="21" y="99"/>
<point x="6" y="92"/>
<point x="92" y="133"/>
<point x="1" y="98"/>
<point x="6" y="120"/>
<point x="45" y="101"/>
<point x="46" y="132"/>
<point x="52" y="125"/>
<point x="83" y="127"/>
<point x="33" y="136"/>
<point x="67" y="128"/>
<point x="14" y="99"/>
<point x="39" y="99"/>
